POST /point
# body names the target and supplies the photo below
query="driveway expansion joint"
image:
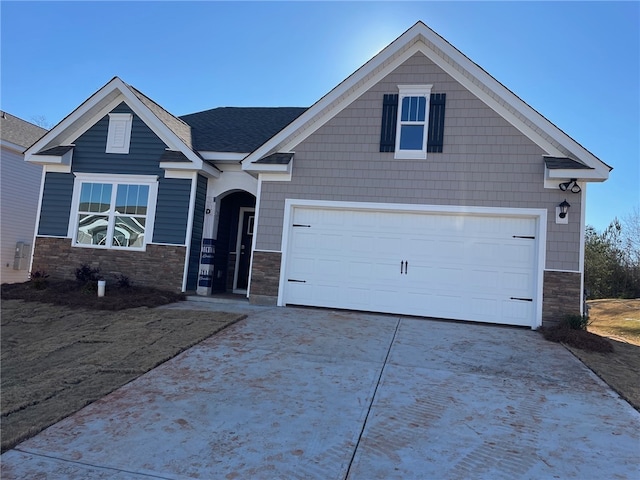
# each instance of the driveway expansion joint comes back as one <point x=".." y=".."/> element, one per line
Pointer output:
<point x="373" y="397"/>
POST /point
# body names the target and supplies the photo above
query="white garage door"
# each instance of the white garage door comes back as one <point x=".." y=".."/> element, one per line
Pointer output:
<point x="457" y="266"/>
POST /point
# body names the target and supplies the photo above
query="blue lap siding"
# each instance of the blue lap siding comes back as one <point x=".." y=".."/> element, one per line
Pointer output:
<point x="172" y="211"/>
<point x="56" y="204"/>
<point x="89" y="156"/>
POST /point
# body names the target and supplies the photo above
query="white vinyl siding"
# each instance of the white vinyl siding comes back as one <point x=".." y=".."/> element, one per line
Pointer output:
<point x="20" y="193"/>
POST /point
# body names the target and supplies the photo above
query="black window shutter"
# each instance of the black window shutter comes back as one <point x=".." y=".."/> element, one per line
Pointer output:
<point x="436" y="122"/>
<point x="389" y="119"/>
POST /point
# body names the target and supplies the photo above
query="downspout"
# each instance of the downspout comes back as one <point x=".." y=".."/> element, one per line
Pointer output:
<point x="583" y="231"/>
<point x="255" y="232"/>
<point x="192" y="207"/>
<point x="37" y="223"/>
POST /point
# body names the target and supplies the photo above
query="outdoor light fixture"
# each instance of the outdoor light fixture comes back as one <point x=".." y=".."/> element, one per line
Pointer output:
<point x="564" y="208"/>
<point x="571" y="185"/>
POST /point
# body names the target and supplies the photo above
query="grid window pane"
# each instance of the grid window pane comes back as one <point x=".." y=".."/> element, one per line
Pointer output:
<point x="95" y="197"/>
<point x="413" y="109"/>
<point x="132" y="199"/>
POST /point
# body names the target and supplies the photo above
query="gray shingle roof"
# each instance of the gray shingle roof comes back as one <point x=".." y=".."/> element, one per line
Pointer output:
<point x="555" y="163"/>
<point x="19" y="132"/>
<point x="177" y="126"/>
<point x="56" y="151"/>
<point x="276" y="159"/>
<point x="238" y="129"/>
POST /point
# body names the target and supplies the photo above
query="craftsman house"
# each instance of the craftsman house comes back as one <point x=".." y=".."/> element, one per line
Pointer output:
<point x="419" y="185"/>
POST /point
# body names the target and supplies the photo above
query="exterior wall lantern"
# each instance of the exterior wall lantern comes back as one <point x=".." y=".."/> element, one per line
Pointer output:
<point x="571" y="185"/>
<point x="561" y="212"/>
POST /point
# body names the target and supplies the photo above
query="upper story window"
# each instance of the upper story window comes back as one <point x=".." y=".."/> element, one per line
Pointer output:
<point x="113" y="211"/>
<point x="413" y="121"/>
<point x="119" y="134"/>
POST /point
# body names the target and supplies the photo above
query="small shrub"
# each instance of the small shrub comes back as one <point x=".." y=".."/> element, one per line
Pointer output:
<point x="86" y="274"/>
<point x="122" y="281"/>
<point x="576" y="321"/>
<point x="38" y="279"/>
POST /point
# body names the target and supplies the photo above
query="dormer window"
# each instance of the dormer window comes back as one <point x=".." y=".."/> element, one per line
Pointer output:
<point x="119" y="135"/>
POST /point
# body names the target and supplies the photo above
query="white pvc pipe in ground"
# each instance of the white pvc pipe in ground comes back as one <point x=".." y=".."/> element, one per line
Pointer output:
<point x="101" y="285"/>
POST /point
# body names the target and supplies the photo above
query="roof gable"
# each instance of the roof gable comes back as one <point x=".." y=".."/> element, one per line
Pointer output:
<point x="175" y="133"/>
<point x="421" y="39"/>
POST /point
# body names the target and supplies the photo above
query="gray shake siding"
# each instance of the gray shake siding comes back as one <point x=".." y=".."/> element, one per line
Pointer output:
<point x="485" y="162"/>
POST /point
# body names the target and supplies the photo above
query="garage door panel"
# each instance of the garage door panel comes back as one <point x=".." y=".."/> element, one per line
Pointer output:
<point x="517" y="283"/>
<point x="457" y="266"/>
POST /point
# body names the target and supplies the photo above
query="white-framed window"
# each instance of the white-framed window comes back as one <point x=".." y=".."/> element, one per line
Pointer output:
<point x="413" y="121"/>
<point x="119" y="134"/>
<point x="113" y="211"/>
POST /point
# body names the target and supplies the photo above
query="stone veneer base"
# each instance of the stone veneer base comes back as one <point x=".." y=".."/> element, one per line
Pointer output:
<point x="561" y="296"/>
<point x="159" y="266"/>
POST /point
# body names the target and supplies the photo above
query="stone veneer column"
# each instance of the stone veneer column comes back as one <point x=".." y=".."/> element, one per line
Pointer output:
<point x="159" y="266"/>
<point x="561" y="296"/>
<point x="265" y="278"/>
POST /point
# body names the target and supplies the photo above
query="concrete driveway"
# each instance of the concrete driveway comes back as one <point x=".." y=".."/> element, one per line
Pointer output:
<point x="318" y="394"/>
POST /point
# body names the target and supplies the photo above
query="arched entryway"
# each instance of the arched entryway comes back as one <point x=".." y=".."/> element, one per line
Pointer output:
<point x="233" y="242"/>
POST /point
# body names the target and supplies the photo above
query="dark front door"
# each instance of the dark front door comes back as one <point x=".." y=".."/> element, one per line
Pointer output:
<point x="245" y="237"/>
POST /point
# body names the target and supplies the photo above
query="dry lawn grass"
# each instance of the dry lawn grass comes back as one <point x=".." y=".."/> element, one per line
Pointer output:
<point x="56" y="359"/>
<point x="618" y="320"/>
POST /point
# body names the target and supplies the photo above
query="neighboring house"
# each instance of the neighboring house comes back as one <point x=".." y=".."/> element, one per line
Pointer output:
<point x="420" y="185"/>
<point x="20" y="186"/>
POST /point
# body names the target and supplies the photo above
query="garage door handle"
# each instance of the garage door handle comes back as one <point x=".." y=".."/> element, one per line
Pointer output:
<point x="296" y="281"/>
<point x="523" y="299"/>
<point x="404" y="267"/>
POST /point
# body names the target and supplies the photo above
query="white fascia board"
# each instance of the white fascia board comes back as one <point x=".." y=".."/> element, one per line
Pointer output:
<point x="421" y="38"/>
<point x="223" y="156"/>
<point x="98" y="100"/>
<point x="65" y="159"/>
<point x="56" y="168"/>
<point x="157" y="126"/>
<point x="178" y="170"/>
<point x="317" y="108"/>
<point x="268" y="167"/>
<point x="569" y="173"/>
<point x="461" y="64"/>
<point x="99" y="105"/>
<point x="274" y="177"/>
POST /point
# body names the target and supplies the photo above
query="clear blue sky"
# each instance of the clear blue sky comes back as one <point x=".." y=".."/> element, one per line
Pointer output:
<point x="577" y="63"/>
